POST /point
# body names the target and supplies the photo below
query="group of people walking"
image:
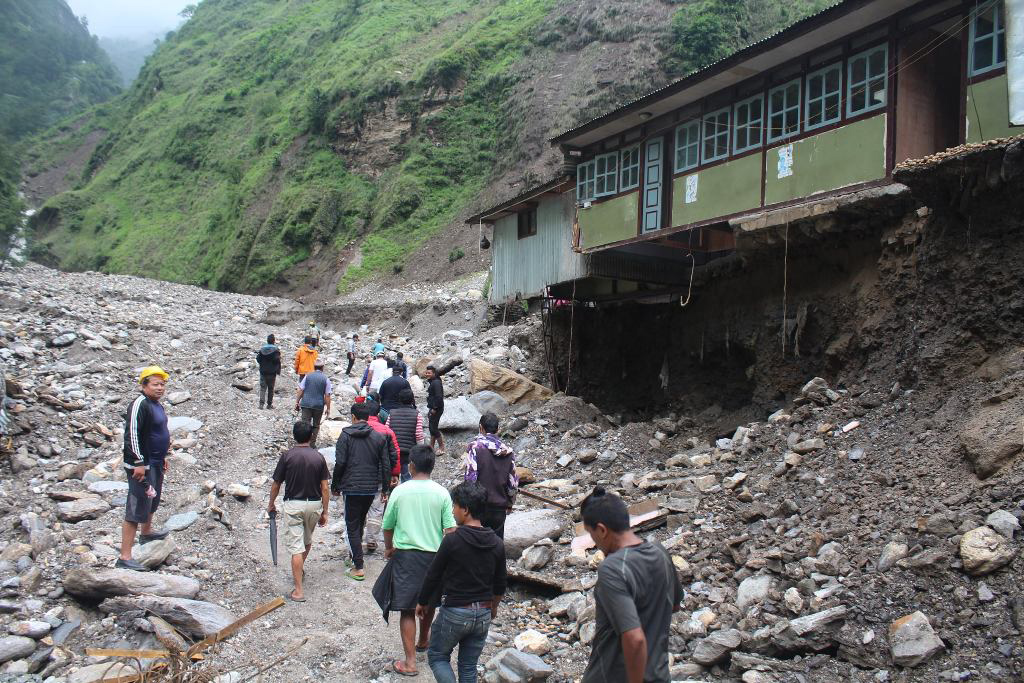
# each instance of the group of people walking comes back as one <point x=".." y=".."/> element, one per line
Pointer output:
<point x="446" y="568"/>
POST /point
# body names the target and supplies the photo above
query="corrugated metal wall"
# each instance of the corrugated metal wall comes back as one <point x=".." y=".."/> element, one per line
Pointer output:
<point x="526" y="266"/>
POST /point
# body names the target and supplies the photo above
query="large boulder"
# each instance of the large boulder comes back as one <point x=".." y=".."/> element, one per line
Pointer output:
<point x="715" y="647"/>
<point x="183" y="424"/>
<point x="512" y="665"/>
<point x="523" y="529"/>
<point x="84" y="508"/>
<point x="194" y="617"/>
<point x="512" y="386"/>
<point x="912" y="640"/>
<point x="15" y="647"/>
<point x="154" y="553"/>
<point x="459" y="413"/>
<point x="991" y="438"/>
<point x="983" y="551"/>
<point x="489" y="402"/>
<point x="97" y="584"/>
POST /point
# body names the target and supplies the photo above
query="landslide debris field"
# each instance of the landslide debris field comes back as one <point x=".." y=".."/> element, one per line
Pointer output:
<point x="844" y="537"/>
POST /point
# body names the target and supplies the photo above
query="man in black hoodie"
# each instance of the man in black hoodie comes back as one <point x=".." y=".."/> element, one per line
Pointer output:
<point x="362" y="468"/>
<point x="269" y="360"/>
<point x="469" y="573"/>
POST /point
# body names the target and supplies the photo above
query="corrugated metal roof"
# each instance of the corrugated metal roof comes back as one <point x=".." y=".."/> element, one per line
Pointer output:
<point x="704" y="71"/>
<point x="546" y="186"/>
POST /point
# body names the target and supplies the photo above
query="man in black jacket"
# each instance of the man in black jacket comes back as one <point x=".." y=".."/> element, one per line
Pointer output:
<point x="362" y="468"/>
<point x="389" y="392"/>
<point x="435" y="407"/>
<point x="469" y="574"/>
<point x="269" y="360"/>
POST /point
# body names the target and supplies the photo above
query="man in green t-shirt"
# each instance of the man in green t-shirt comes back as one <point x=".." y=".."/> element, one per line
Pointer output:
<point x="418" y="516"/>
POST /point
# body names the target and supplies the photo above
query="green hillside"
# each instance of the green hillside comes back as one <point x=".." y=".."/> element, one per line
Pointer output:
<point x="264" y="132"/>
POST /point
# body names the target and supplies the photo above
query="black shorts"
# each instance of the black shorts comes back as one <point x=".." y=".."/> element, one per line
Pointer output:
<point x="139" y="507"/>
<point x="434" y="422"/>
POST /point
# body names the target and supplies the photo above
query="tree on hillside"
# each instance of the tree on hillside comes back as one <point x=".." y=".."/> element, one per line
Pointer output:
<point x="10" y="205"/>
<point x="187" y="12"/>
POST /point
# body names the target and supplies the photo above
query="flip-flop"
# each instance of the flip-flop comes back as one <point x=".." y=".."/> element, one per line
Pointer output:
<point x="402" y="672"/>
<point x="294" y="599"/>
<point x="421" y="649"/>
<point x="355" y="577"/>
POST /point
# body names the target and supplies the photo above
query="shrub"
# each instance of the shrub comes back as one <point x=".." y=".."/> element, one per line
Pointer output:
<point x="455" y="254"/>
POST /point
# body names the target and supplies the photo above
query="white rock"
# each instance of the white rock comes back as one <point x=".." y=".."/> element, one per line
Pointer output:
<point x="1003" y="522"/>
<point x="532" y="642"/>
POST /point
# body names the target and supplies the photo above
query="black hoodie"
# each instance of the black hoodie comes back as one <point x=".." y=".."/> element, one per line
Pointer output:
<point x="469" y="567"/>
<point x="269" y="359"/>
<point x="362" y="462"/>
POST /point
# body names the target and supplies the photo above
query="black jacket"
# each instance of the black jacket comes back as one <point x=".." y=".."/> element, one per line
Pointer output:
<point x="362" y="464"/>
<point x="402" y="421"/>
<point x="389" y="390"/>
<point x="269" y="360"/>
<point x="146" y="437"/>
<point x="469" y="567"/>
<point x="435" y="394"/>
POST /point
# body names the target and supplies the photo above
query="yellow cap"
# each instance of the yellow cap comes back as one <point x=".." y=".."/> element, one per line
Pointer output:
<point x="153" y="370"/>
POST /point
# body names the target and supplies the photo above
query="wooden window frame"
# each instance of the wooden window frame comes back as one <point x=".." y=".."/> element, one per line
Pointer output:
<point x="530" y="229"/>
<point x="786" y="109"/>
<point x="748" y="125"/>
<point x="822" y="72"/>
<point x="606" y="174"/>
<point x="688" y="127"/>
<point x="629" y="174"/>
<point x="705" y="137"/>
<point x="582" y="183"/>
<point x="868" y="80"/>
<point x="998" y="33"/>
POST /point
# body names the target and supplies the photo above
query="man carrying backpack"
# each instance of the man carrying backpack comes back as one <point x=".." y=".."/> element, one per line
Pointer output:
<point x="269" y="360"/>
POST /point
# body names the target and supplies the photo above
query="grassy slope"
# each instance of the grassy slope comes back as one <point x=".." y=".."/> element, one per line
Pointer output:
<point x="218" y="126"/>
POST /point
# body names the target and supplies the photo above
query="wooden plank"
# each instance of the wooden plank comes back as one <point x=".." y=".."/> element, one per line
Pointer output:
<point x="643" y="516"/>
<point x="542" y="499"/>
<point x="118" y="652"/>
<point x="230" y="630"/>
<point x="518" y="574"/>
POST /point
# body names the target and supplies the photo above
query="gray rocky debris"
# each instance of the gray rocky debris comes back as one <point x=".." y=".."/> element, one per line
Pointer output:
<point x="523" y="529"/>
<point x="717" y="646"/>
<point x="512" y="666"/>
<point x="82" y="509"/>
<point x="97" y="584"/>
<point x="154" y="553"/>
<point x="194" y="617"/>
<point x="1003" y="522"/>
<point x="15" y="647"/>
<point x="460" y="414"/>
<point x="913" y="641"/>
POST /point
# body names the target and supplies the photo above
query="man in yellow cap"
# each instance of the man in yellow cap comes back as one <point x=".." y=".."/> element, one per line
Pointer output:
<point x="146" y="442"/>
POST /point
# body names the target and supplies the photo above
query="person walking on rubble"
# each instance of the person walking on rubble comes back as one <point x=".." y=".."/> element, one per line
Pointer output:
<point x="351" y="353"/>
<point x="492" y="464"/>
<point x="313" y="332"/>
<point x="377" y="372"/>
<point x="636" y="593"/>
<point x="469" y="574"/>
<point x="314" y="398"/>
<point x="269" y="360"/>
<point x="362" y="469"/>
<point x="305" y="357"/>
<point x="146" y="442"/>
<point x="418" y="516"/>
<point x="303" y="471"/>
<point x="390" y="390"/>
<point x="435" y="408"/>
<point x="407" y="424"/>
<point x="373" y="518"/>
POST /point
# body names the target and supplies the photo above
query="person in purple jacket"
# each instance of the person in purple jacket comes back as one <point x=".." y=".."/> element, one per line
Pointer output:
<point x="492" y="464"/>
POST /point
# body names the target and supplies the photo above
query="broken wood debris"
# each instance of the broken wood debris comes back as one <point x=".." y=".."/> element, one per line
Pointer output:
<point x="643" y="516"/>
<point x="546" y="501"/>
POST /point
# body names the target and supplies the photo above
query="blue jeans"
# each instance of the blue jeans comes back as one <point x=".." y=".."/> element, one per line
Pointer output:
<point x="466" y="628"/>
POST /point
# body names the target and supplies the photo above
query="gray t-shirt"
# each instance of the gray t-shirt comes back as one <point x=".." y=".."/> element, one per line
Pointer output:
<point x="637" y="587"/>
<point x="314" y="387"/>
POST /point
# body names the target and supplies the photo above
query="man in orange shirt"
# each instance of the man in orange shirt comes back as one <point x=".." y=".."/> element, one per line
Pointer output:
<point x="305" y="357"/>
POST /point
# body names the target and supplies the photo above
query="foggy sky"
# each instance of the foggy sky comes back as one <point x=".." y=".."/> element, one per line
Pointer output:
<point x="129" y="18"/>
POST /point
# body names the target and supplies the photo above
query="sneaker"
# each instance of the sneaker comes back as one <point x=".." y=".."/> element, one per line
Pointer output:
<point x="131" y="564"/>
<point x="153" y="536"/>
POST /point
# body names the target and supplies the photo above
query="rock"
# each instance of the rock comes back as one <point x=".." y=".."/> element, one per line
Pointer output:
<point x="562" y="605"/>
<point x="182" y="520"/>
<point x="167" y="635"/>
<point x="108" y="487"/>
<point x="536" y="557"/>
<point x="194" y="617"/>
<point x="242" y="385"/>
<point x="794" y="601"/>
<point x="526" y="475"/>
<point x="183" y="423"/>
<point x="15" y="551"/>
<point x="519" y="667"/>
<point x="985" y="593"/>
<point x="240" y="491"/>
<point x="991" y="438"/>
<point x="912" y="640"/>
<point x="29" y="629"/>
<point x="154" y="553"/>
<point x="523" y="529"/>
<point x="532" y="642"/>
<point x="63" y="340"/>
<point x="1004" y="523"/>
<point x="808" y="446"/>
<point x="178" y="397"/>
<point x="983" y="551"/>
<point x="587" y="456"/>
<point x="892" y="553"/>
<point x="15" y="647"/>
<point x="715" y="647"/>
<point x="753" y="589"/>
<point x="96" y="584"/>
<point x="460" y="414"/>
<point x="489" y="402"/>
<point x="99" y="672"/>
<point x="21" y="461"/>
<point x="82" y="509"/>
<point x="512" y="386"/>
<point x="565" y="460"/>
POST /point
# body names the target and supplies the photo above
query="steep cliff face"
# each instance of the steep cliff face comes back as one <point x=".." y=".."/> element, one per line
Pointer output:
<point x="285" y="146"/>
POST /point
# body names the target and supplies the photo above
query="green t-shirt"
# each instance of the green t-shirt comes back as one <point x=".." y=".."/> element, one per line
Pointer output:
<point x="419" y="511"/>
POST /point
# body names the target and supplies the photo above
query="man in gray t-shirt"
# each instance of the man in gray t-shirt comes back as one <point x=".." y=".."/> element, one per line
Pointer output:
<point x="314" y="398"/>
<point x="637" y="591"/>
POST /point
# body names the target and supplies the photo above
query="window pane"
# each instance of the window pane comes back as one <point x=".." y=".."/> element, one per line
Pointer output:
<point x="877" y="63"/>
<point x="778" y="100"/>
<point x="814" y="87"/>
<point x="984" y="24"/>
<point x="983" y="54"/>
<point x="792" y="121"/>
<point x="857" y="100"/>
<point x="876" y="92"/>
<point x="832" y="107"/>
<point x="857" y="70"/>
<point x="814" y="113"/>
<point x="832" y="80"/>
<point x="1001" y="48"/>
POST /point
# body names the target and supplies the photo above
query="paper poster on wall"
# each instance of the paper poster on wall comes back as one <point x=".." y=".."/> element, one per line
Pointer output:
<point x="785" y="165"/>
<point x="691" y="189"/>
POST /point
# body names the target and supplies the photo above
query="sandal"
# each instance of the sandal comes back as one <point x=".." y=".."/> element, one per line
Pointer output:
<point x="355" y="577"/>
<point x="294" y="599"/>
<point x="402" y="672"/>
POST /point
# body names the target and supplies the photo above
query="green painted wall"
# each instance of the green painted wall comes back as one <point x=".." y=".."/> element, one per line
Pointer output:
<point x="828" y="161"/>
<point x="721" y="190"/>
<point x="988" y="111"/>
<point x="609" y="221"/>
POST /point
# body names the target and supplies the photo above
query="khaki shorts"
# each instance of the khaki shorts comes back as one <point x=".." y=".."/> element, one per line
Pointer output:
<point x="300" y="518"/>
